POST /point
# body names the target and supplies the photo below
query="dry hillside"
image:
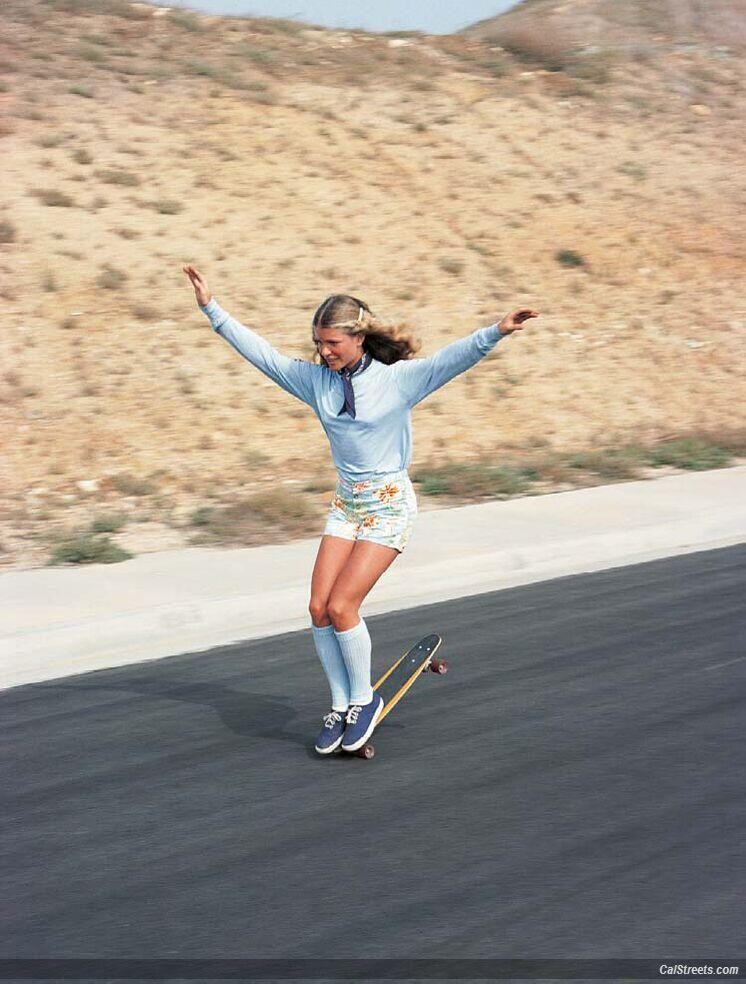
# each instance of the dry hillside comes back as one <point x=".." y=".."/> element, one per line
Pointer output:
<point x="630" y="26"/>
<point x="589" y="167"/>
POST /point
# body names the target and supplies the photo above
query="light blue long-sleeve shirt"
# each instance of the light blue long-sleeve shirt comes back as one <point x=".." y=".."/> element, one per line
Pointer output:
<point x="378" y="440"/>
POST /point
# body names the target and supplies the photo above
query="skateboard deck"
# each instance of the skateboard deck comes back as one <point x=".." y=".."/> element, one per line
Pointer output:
<point x="400" y="677"/>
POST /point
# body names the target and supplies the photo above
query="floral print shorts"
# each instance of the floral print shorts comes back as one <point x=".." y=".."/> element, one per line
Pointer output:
<point x="382" y="511"/>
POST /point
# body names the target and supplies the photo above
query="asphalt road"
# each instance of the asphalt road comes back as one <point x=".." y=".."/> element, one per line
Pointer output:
<point x="573" y="787"/>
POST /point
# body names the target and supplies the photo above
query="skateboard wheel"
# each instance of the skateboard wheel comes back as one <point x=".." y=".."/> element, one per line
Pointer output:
<point x="366" y="752"/>
<point x="439" y="666"/>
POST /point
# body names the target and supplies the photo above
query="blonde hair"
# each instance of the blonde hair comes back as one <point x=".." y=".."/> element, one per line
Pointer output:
<point x="385" y="341"/>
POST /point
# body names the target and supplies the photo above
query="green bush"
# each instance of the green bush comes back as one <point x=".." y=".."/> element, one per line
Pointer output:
<point x="569" y="258"/>
<point x="613" y="463"/>
<point x="690" y="453"/>
<point x="201" y="516"/>
<point x="108" y="523"/>
<point x="476" y="480"/>
<point x="87" y="548"/>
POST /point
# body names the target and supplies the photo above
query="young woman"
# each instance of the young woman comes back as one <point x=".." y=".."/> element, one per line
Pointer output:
<point x="362" y="389"/>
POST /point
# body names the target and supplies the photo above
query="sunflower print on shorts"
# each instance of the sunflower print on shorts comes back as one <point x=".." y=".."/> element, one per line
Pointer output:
<point x="388" y="493"/>
<point x="381" y="513"/>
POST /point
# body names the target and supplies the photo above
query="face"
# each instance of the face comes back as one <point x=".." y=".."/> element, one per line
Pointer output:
<point x="337" y="348"/>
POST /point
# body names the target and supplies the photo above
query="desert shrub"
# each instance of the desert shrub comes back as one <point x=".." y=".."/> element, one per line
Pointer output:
<point x="129" y="484"/>
<point x="53" y="197"/>
<point x="127" y="10"/>
<point x="167" y="206"/>
<point x="108" y="523"/>
<point x="115" y="8"/>
<point x="475" y="480"/>
<point x="450" y="265"/>
<point x="90" y="53"/>
<point x="82" y="90"/>
<point x="110" y="278"/>
<point x="611" y="463"/>
<point x="257" y="55"/>
<point x="569" y="258"/>
<point x="207" y="70"/>
<point x="593" y="64"/>
<point x="549" y="47"/>
<point x="185" y="20"/>
<point x="145" y="312"/>
<point x="118" y="176"/>
<point x="281" y="25"/>
<point x="87" y="548"/>
<point x="690" y="453"/>
<point x="633" y="169"/>
<point x="201" y="516"/>
<point x="50" y="140"/>
<point x="247" y="520"/>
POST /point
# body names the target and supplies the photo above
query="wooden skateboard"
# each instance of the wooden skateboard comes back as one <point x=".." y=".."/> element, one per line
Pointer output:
<point x="400" y="676"/>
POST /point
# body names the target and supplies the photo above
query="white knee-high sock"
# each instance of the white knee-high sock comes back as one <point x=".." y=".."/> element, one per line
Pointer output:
<point x="356" y="648"/>
<point x="334" y="666"/>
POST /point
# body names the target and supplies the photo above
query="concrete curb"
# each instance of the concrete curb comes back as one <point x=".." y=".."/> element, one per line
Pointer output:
<point x="65" y="621"/>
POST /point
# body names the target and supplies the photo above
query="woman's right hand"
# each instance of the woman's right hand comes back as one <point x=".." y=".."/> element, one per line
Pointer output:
<point x="200" y="284"/>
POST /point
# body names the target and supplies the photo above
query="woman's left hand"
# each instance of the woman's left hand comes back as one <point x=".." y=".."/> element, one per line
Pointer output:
<point x="514" y="321"/>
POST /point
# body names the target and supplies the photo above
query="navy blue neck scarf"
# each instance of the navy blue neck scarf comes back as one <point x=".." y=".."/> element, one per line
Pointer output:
<point x="360" y="366"/>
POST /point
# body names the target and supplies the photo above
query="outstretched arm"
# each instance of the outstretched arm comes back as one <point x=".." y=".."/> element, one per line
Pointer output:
<point x="293" y="375"/>
<point x="417" y="378"/>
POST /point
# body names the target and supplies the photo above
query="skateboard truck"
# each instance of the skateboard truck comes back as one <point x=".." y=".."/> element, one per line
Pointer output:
<point x="399" y="677"/>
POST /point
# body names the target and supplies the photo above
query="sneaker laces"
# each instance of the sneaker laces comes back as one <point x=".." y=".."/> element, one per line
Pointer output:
<point x="353" y="712"/>
<point x="331" y="719"/>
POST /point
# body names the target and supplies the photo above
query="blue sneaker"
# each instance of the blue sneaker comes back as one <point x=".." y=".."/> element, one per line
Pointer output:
<point x="330" y="736"/>
<point x="361" y="720"/>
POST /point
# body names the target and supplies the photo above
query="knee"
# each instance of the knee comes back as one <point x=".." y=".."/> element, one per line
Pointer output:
<point x="338" y="608"/>
<point x="318" y="611"/>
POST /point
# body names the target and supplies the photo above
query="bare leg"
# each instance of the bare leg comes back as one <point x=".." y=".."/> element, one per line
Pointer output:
<point x="334" y="552"/>
<point x="366" y="563"/>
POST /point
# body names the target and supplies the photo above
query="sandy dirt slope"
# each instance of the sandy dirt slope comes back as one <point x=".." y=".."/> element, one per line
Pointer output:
<point x="444" y="179"/>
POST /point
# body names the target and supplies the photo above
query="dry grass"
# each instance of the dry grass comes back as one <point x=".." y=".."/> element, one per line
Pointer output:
<point x="256" y="518"/>
<point x="444" y="181"/>
<point x="529" y="469"/>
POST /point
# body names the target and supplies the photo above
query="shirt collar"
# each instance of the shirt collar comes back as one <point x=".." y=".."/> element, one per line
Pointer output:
<point x="362" y="363"/>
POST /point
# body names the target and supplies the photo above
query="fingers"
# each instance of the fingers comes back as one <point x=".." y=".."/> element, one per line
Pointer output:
<point x="516" y="318"/>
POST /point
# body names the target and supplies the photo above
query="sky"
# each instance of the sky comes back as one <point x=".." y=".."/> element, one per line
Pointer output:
<point x="431" y="16"/>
